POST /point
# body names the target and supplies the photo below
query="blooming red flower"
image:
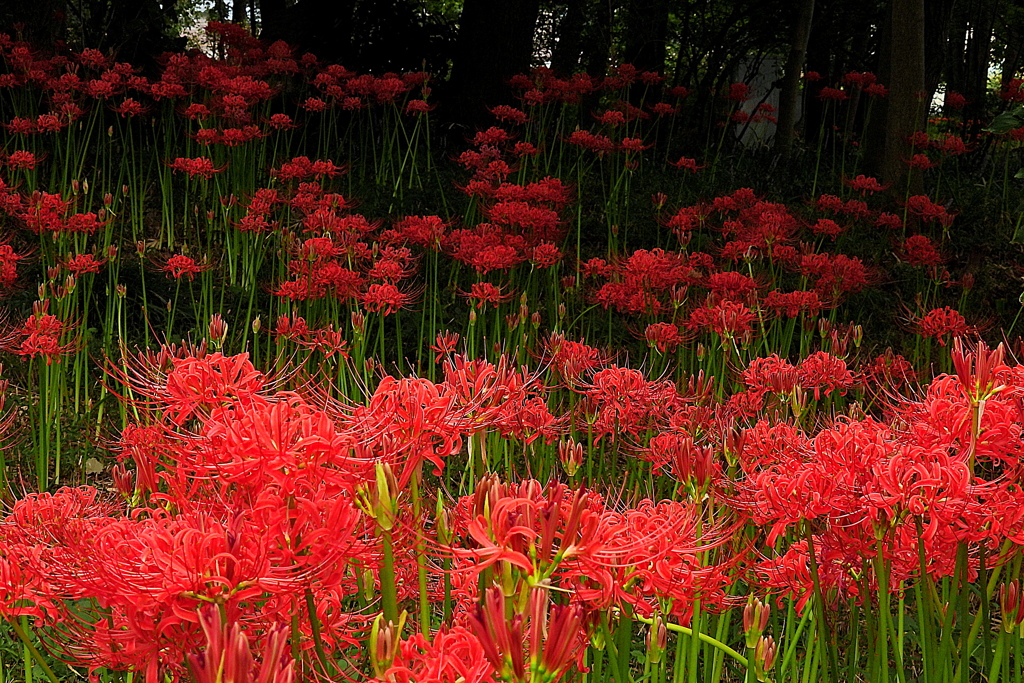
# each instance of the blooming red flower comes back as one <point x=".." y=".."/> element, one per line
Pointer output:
<point x="920" y="161"/>
<point x="727" y="319"/>
<point x="663" y="336"/>
<point x="918" y="250"/>
<point x="21" y="160"/>
<point x="823" y="373"/>
<point x="384" y="297"/>
<point x="834" y="94"/>
<point x="509" y="114"/>
<point x="179" y="265"/>
<point x="130" y="107"/>
<point x="486" y="293"/>
<point x="83" y="263"/>
<point x="954" y="100"/>
<point x="942" y="324"/>
<point x="43" y="333"/>
<point x="865" y="185"/>
<point x="792" y="304"/>
<point x="688" y="164"/>
<point x="738" y="92"/>
<point x="920" y="205"/>
<point x="201" y="166"/>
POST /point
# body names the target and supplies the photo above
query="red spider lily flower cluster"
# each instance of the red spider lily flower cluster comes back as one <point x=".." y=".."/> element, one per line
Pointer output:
<point x="201" y="167"/>
<point x="44" y="335"/>
<point x="9" y="259"/>
<point x="178" y="266"/>
<point x="943" y="324"/>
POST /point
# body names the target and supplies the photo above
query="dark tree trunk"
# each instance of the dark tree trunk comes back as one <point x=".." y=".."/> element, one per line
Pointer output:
<point x="565" y="59"/>
<point x="976" y="63"/>
<point x="599" y="38"/>
<point x="903" y="56"/>
<point x="238" y="11"/>
<point x="273" y="16"/>
<point x="937" y="28"/>
<point x="789" y="96"/>
<point x="495" y="42"/>
<point x="646" y="34"/>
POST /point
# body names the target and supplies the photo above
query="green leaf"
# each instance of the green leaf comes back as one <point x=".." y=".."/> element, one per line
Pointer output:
<point x="1006" y="121"/>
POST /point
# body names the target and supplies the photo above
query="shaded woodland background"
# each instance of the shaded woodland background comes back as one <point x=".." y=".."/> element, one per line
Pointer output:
<point x="916" y="47"/>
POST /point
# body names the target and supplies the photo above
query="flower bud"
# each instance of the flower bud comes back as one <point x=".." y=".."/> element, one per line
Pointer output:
<point x="570" y="454"/>
<point x="755" y="620"/>
<point x="764" y="657"/>
<point x="657" y="640"/>
<point x="218" y="329"/>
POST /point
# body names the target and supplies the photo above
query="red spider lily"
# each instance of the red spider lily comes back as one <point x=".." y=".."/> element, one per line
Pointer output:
<point x="890" y="221"/>
<point x="865" y="185"/>
<point x="591" y="141"/>
<point x="792" y="304"/>
<point x="281" y="122"/>
<point x="444" y="345"/>
<point x="201" y="167"/>
<point x="130" y="108"/>
<point x="42" y="334"/>
<point x="661" y="109"/>
<point x="453" y="655"/>
<point x="179" y="266"/>
<point x="833" y="94"/>
<point x="920" y="161"/>
<point x="688" y="164"/>
<point x="509" y="114"/>
<point x="690" y="463"/>
<point x="876" y="90"/>
<point x="386" y="298"/>
<point x="663" y="336"/>
<point x="623" y="401"/>
<point x="486" y="293"/>
<point x="630" y="145"/>
<point x="553" y="643"/>
<point x="83" y="263"/>
<point x="943" y="323"/>
<point x="954" y="100"/>
<point x="888" y="370"/>
<point x="823" y="373"/>
<point x="611" y="118"/>
<point x="771" y="374"/>
<point x="8" y="267"/>
<point x="738" y="92"/>
<point x="21" y="160"/>
<point x="545" y="255"/>
<point x="572" y="359"/>
<point x="1013" y="91"/>
<point x="301" y="168"/>
<point x="726" y="319"/>
<point x="918" y="250"/>
<point x="227" y="657"/>
<point x="730" y="285"/>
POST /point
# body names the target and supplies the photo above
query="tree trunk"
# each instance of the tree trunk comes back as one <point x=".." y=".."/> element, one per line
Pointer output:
<point x="789" y="96"/>
<point x="495" y="42"/>
<point x="646" y="34"/>
<point x="565" y="58"/>
<point x="936" y="48"/>
<point x="1013" y="39"/>
<point x="905" y="114"/>
<point x="976" y="63"/>
<point x="273" y="15"/>
<point x="599" y="38"/>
